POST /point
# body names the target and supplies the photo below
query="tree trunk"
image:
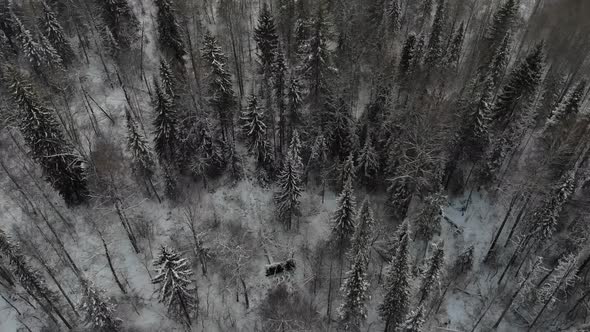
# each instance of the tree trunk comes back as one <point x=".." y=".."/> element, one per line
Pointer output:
<point x="499" y="232"/>
<point x="111" y="267"/>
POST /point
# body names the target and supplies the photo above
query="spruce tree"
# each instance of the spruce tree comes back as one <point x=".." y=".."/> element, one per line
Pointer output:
<point x="367" y="162"/>
<point x="99" y="311"/>
<point x="435" y="48"/>
<point x="399" y="196"/>
<point x="395" y="304"/>
<point x="343" y="219"/>
<point x="220" y="86"/>
<point x="120" y="21"/>
<point x="279" y="73"/>
<point x="353" y="311"/>
<point x="61" y="164"/>
<point x="49" y="55"/>
<point x="166" y="140"/>
<point x="30" y="47"/>
<point x="428" y="219"/>
<point x="169" y="84"/>
<point x="476" y="136"/>
<point x="341" y="125"/>
<point x="522" y="82"/>
<point x="294" y="102"/>
<point x="432" y="276"/>
<point x="544" y="219"/>
<point x="316" y="65"/>
<point x="346" y="172"/>
<point x="266" y="39"/>
<point x="454" y="52"/>
<point x="143" y="161"/>
<point x="414" y="321"/>
<point x="289" y="182"/>
<point x="502" y="22"/>
<point x="54" y="32"/>
<point x="500" y="60"/>
<point x="394" y="16"/>
<point x="175" y="287"/>
<point x="363" y="232"/>
<point x="566" y="111"/>
<point x="169" y="30"/>
<point x="406" y="60"/>
<point x="254" y="129"/>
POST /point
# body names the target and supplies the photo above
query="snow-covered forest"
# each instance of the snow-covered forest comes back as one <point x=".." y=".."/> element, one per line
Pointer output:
<point x="294" y="165"/>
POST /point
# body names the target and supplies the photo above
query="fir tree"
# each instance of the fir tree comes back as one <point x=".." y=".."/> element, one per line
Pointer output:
<point x="432" y="276"/>
<point x="255" y="130"/>
<point x="220" y="86"/>
<point x="99" y="312"/>
<point x="419" y="54"/>
<point x="454" y="52"/>
<point x="347" y="172"/>
<point x="289" y="182"/>
<point x="168" y="80"/>
<point x="353" y="311"/>
<point x="62" y="166"/>
<point x="397" y="288"/>
<point x="522" y="82"/>
<point x="343" y="139"/>
<point x="414" y="321"/>
<point x="344" y="216"/>
<point x="166" y="139"/>
<point x="435" y="42"/>
<point x="173" y="277"/>
<point x="399" y="196"/>
<point x="49" y="55"/>
<point x="54" y="32"/>
<point x="367" y="162"/>
<point x="169" y="31"/>
<point x="120" y="21"/>
<point x="363" y="231"/>
<point x="502" y="23"/>
<point x="143" y="162"/>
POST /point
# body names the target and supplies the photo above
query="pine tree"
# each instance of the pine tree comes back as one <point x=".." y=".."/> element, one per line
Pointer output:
<point x="399" y="196"/>
<point x="254" y="129"/>
<point x="546" y="217"/>
<point x="522" y="82"/>
<point x="168" y="80"/>
<point x="395" y="304"/>
<point x="341" y="125"/>
<point x="432" y="276"/>
<point x="62" y="166"/>
<point x="120" y="21"/>
<point x="173" y="277"/>
<point x="166" y="139"/>
<point x="353" y="311"/>
<point x="428" y="219"/>
<point x="54" y="32"/>
<point x="363" y="232"/>
<point x="414" y="321"/>
<point x="347" y="172"/>
<point x="502" y="22"/>
<point x="99" y="312"/>
<point x="49" y="55"/>
<point x="454" y="52"/>
<point x="435" y="42"/>
<point x="344" y="216"/>
<point x="169" y="31"/>
<point x="220" y="86"/>
<point x="367" y="162"/>
<point x="143" y="161"/>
